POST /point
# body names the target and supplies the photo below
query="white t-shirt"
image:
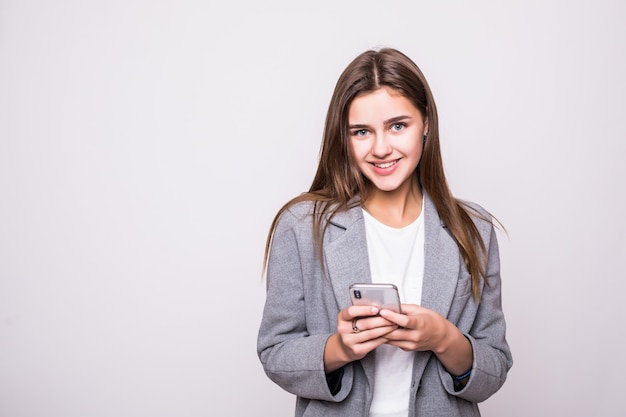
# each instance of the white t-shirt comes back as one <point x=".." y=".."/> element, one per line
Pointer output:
<point x="396" y="256"/>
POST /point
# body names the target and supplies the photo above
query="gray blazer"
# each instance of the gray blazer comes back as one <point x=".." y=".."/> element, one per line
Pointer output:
<point x="301" y="310"/>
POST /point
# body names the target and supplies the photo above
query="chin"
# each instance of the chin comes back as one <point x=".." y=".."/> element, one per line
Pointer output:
<point x="386" y="187"/>
<point x="389" y="185"/>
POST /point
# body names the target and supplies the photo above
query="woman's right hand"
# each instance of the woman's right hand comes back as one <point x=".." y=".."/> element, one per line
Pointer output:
<point x="353" y="343"/>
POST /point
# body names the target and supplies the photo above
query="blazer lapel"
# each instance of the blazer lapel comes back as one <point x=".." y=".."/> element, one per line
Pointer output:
<point x="441" y="270"/>
<point x="345" y="251"/>
<point x="347" y="262"/>
<point x="441" y="262"/>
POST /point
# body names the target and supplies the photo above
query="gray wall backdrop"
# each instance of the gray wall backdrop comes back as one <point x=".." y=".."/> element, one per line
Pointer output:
<point x="146" y="145"/>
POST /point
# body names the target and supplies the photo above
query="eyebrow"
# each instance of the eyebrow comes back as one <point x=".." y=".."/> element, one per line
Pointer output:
<point x="386" y="122"/>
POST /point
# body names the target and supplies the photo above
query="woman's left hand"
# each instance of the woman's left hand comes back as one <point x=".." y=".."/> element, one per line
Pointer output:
<point x="423" y="329"/>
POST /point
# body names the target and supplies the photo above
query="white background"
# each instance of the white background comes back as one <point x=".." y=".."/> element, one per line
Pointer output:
<point x="146" y="145"/>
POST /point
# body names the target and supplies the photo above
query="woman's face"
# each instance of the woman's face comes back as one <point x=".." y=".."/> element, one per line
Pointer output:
<point x="386" y="135"/>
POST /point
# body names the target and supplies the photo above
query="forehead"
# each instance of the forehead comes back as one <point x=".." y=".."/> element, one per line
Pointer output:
<point x="381" y="104"/>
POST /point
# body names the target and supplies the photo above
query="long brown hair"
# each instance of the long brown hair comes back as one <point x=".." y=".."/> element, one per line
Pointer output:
<point x="338" y="180"/>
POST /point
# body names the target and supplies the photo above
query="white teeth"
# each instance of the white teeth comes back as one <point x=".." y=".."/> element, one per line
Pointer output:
<point x="385" y="165"/>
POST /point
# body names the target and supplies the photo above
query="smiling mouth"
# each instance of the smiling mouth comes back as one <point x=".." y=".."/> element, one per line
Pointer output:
<point x="386" y="164"/>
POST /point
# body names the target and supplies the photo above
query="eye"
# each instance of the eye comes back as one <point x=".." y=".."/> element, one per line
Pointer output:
<point x="396" y="127"/>
<point x="359" y="132"/>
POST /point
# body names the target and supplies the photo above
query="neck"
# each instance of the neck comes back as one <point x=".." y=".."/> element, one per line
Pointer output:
<point x="397" y="208"/>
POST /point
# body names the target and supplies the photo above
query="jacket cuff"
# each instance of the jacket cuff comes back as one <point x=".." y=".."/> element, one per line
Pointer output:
<point x="333" y="380"/>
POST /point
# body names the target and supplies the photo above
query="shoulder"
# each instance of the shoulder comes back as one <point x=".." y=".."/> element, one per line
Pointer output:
<point x="291" y="231"/>
<point x="482" y="218"/>
<point x="298" y="212"/>
<point x="475" y="209"/>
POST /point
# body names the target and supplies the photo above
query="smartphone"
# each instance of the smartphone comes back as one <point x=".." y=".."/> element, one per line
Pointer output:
<point x="379" y="295"/>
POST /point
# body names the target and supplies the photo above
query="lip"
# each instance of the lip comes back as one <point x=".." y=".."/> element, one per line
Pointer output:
<point x="386" y="167"/>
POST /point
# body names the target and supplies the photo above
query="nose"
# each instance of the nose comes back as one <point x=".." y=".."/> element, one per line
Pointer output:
<point x="381" y="146"/>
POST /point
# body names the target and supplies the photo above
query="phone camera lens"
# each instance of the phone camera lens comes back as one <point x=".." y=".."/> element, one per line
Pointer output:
<point x="357" y="294"/>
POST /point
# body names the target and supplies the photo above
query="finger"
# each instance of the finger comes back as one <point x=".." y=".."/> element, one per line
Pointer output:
<point x="404" y="345"/>
<point x="349" y="313"/>
<point x="362" y="324"/>
<point x="360" y="343"/>
<point x="404" y="339"/>
<point x="399" y="334"/>
<point x="401" y="320"/>
<point x="366" y="335"/>
<point x="359" y="350"/>
<point x="367" y="323"/>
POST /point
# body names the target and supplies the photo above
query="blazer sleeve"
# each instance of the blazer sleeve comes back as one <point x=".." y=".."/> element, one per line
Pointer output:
<point x="291" y="356"/>
<point x="487" y="335"/>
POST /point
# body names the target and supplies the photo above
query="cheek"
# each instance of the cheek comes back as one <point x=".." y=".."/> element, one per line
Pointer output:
<point x="359" y="150"/>
<point x="415" y="149"/>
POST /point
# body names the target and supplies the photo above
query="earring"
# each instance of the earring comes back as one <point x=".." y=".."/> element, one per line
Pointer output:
<point x="425" y="137"/>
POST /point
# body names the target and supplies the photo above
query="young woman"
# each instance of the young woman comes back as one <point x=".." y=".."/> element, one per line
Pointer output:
<point x="379" y="210"/>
